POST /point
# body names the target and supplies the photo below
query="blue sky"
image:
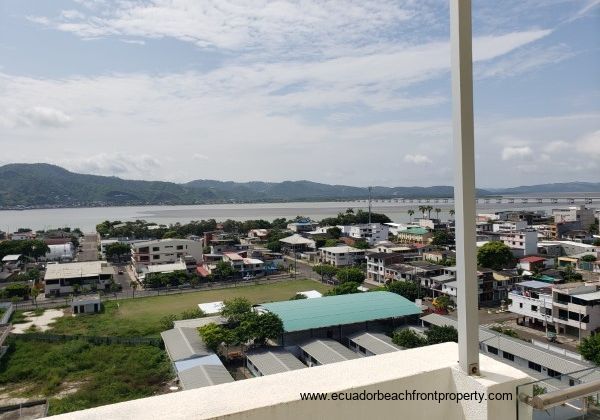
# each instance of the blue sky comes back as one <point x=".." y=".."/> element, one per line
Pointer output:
<point x="348" y="92"/>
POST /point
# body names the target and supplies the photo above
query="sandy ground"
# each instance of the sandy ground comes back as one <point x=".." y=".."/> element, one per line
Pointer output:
<point x="41" y="322"/>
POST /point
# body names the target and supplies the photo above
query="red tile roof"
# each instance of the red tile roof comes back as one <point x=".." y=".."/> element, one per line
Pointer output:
<point x="532" y="259"/>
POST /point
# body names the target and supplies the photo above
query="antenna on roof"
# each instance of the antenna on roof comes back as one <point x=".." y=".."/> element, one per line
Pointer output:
<point x="370" y="188"/>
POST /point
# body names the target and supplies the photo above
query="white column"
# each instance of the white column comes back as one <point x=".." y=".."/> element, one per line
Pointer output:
<point x="464" y="185"/>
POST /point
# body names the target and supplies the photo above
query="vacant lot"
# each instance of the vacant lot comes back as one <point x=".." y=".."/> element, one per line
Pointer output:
<point x="141" y="316"/>
<point x="75" y="375"/>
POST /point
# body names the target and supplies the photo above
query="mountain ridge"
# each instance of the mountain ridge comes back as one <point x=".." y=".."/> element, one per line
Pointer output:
<point x="46" y="185"/>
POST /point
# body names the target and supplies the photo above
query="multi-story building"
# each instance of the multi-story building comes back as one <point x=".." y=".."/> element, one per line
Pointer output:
<point x="560" y="248"/>
<point x="377" y="262"/>
<point x="521" y="242"/>
<point x="576" y="308"/>
<point x="414" y="235"/>
<point x="339" y="256"/>
<point x="60" y="279"/>
<point x="532" y="300"/>
<point x="164" y="251"/>
<point x="509" y="226"/>
<point x="372" y="233"/>
<point x="575" y="214"/>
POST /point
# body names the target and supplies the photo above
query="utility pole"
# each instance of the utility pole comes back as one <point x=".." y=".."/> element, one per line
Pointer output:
<point x="370" y="188"/>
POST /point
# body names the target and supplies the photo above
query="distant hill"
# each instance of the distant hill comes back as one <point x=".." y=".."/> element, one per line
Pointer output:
<point x="44" y="185"/>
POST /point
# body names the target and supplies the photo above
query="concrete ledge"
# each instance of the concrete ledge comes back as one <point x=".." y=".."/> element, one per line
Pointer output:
<point x="426" y="369"/>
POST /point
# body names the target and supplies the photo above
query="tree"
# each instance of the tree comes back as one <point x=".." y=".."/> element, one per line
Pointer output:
<point x="588" y="258"/>
<point x="223" y="270"/>
<point x="442" y="237"/>
<point x="407" y="289"/>
<point x="429" y="209"/>
<point x="34" y="293"/>
<point x="331" y="242"/>
<point x="408" y="339"/>
<point x="334" y="232"/>
<point x="445" y="333"/>
<point x="437" y="213"/>
<point x="344" y="289"/>
<point x="350" y="274"/>
<point x="590" y="348"/>
<point x="596" y="242"/>
<point x="423" y="209"/>
<point x="266" y="326"/>
<point x="452" y="212"/>
<point x="298" y="296"/>
<point x="116" y="251"/>
<point x="236" y="309"/>
<point x="325" y="271"/>
<point x="410" y="214"/>
<point x="441" y="303"/>
<point x="214" y="335"/>
<point x="361" y="244"/>
<point x="494" y="255"/>
<point x="167" y="322"/>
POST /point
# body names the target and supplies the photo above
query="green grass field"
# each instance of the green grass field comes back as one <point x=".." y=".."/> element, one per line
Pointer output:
<point x="141" y="316"/>
<point x="75" y="375"/>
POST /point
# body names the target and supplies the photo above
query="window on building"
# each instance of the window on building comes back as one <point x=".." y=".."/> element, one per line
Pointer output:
<point x="521" y="305"/>
<point x="156" y="257"/>
<point x="155" y="248"/>
<point x="179" y="246"/>
<point x="508" y="356"/>
<point x="492" y="350"/>
<point x="553" y="373"/>
<point x="534" y="308"/>
<point x="535" y="366"/>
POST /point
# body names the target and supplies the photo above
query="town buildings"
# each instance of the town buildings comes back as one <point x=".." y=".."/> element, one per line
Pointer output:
<point x="61" y="279"/>
<point x="164" y="251"/>
<point x="339" y="256"/>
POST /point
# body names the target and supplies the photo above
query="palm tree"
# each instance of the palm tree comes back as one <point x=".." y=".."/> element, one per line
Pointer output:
<point x="423" y="209"/>
<point x="410" y="213"/>
<point x="429" y="208"/>
<point x="437" y="213"/>
<point x="452" y="212"/>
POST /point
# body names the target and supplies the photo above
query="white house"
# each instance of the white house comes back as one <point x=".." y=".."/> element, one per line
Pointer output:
<point x="372" y="233"/>
<point x="533" y="300"/>
<point x="521" y="242"/>
<point x="61" y="279"/>
<point x="164" y="251"/>
<point x="62" y="252"/>
<point x="341" y="255"/>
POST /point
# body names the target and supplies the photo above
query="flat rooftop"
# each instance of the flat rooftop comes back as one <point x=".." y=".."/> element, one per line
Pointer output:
<point x="305" y="314"/>
<point x="77" y="270"/>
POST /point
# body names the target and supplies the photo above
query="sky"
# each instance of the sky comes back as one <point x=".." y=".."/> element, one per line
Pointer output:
<point x="340" y="92"/>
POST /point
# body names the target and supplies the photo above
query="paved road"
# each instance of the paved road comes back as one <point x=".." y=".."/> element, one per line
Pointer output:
<point x="89" y="248"/>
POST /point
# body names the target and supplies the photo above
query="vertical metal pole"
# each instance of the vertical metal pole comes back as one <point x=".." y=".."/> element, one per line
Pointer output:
<point x="464" y="185"/>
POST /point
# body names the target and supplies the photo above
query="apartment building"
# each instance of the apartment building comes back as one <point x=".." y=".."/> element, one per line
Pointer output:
<point x="532" y="300"/>
<point x="372" y="233"/>
<point x="164" y="251"/>
<point x="414" y="235"/>
<point x="575" y="214"/>
<point x="340" y="256"/>
<point x="521" y="242"/>
<point x="576" y="308"/>
<point x="61" y="279"/>
<point x="568" y="248"/>
<point x="377" y="262"/>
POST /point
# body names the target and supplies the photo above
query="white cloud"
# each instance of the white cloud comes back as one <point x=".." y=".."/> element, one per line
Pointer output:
<point x="509" y="153"/>
<point x="112" y="164"/>
<point x="44" y="117"/>
<point x="589" y="144"/>
<point x="417" y="159"/>
<point x="199" y="156"/>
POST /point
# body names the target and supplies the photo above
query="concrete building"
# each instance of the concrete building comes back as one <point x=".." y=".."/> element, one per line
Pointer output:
<point x="303" y="225"/>
<point x="575" y="214"/>
<point x="60" y="279"/>
<point x="371" y="233"/>
<point x="64" y="252"/>
<point x="532" y="300"/>
<point x="521" y="242"/>
<point x="509" y="226"/>
<point x="414" y="235"/>
<point x="164" y="251"/>
<point x="377" y="262"/>
<point x="565" y="248"/>
<point x="340" y="256"/>
<point x="576" y="308"/>
<point x="296" y="243"/>
<point x="88" y="304"/>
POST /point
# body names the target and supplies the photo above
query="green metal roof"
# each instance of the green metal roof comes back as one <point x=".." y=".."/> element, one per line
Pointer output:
<point x="327" y="311"/>
<point x="415" y="231"/>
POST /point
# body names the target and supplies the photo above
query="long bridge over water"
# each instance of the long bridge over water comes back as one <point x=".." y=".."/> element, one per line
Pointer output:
<point x="494" y="200"/>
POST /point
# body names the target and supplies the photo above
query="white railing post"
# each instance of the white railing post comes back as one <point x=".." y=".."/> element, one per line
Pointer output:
<point x="464" y="185"/>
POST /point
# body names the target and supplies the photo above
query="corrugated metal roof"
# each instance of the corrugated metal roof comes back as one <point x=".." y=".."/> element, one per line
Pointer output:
<point x="534" y="284"/>
<point x="183" y="343"/>
<point x="376" y="343"/>
<point x="204" y="375"/>
<point x="296" y="239"/>
<point x="300" y="315"/>
<point x="588" y="296"/>
<point x="274" y="360"/>
<point x="327" y="351"/>
<point x="517" y="347"/>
